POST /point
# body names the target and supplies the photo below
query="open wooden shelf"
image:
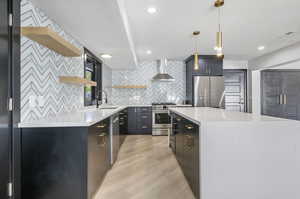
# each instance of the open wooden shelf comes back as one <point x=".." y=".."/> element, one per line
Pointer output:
<point x="50" y="39"/>
<point x="130" y="86"/>
<point x="76" y="80"/>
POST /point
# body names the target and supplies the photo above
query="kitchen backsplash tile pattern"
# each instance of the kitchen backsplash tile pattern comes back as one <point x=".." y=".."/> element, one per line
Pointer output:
<point x="41" y="93"/>
<point x="155" y="91"/>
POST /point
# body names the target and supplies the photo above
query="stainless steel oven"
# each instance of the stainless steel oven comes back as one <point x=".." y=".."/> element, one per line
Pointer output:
<point x="161" y="120"/>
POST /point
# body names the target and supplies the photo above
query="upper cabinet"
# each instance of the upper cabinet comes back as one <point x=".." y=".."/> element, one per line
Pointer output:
<point x="209" y="65"/>
<point x="50" y="39"/>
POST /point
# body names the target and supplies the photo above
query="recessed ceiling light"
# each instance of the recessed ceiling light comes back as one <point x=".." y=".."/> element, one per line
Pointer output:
<point x="106" y="56"/>
<point x="151" y="10"/>
<point x="149" y="52"/>
<point x="261" y="48"/>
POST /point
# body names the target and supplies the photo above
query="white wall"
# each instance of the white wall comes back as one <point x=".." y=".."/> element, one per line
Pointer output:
<point x="235" y="64"/>
<point x="285" y="56"/>
<point x="256" y="89"/>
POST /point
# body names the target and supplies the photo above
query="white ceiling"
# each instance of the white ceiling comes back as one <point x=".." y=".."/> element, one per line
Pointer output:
<point x="103" y="27"/>
<point x="97" y="24"/>
<point x="246" y="24"/>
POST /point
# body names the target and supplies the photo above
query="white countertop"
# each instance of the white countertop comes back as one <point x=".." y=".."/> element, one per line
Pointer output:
<point x="82" y="118"/>
<point x="85" y="117"/>
<point x="204" y="114"/>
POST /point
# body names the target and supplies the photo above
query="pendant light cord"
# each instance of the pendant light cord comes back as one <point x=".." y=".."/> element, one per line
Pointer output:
<point x="219" y="18"/>
<point x="196" y="44"/>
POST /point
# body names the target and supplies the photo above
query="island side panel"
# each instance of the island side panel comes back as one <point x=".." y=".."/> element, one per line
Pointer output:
<point x="54" y="163"/>
<point x="250" y="160"/>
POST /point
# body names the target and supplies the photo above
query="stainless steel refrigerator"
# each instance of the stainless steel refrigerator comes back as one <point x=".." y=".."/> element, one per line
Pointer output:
<point x="209" y="91"/>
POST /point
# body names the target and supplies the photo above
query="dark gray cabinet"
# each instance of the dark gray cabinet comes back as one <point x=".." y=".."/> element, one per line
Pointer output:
<point x="187" y="150"/>
<point x="64" y="162"/>
<point x="123" y="122"/>
<point x="281" y="93"/>
<point x="5" y="92"/>
<point x="115" y="138"/>
<point x="209" y="65"/>
<point x="139" y="120"/>
<point x="98" y="155"/>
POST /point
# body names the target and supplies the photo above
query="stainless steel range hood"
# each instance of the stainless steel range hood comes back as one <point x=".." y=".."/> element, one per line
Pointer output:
<point x="162" y="74"/>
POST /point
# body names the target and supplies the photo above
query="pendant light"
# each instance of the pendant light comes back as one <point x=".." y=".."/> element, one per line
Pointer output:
<point x="219" y="40"/>
<point x="196" y="59"/>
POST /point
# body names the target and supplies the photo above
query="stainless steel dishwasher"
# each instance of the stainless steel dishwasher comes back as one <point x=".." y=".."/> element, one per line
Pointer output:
<point x="114" y="138"/>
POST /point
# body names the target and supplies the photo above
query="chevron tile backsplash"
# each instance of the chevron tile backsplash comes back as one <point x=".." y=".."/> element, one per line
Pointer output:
<point x="155" y="91"/>
<point x="40" y="69"/>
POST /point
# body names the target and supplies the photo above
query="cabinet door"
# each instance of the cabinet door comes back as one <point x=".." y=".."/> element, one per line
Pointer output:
<point x="115" y="137"/>
<point x="123" y="122"/>
<point x="139" y="120"/>
<point x="196" y="162"/>
<point x="98" y="156"/>
<point x="144" y="122"/>
<point x="132" y="124"/>
<point x="5" y="133"/>
<point x="272" y="89"/>
<point x="189" y="82"/>
<point x="179" y="141"/>
<point x="203" y="67"/>
<point x="188" y="153"/>
<point x="291" y="91"/>
<point x="215" y="67"/>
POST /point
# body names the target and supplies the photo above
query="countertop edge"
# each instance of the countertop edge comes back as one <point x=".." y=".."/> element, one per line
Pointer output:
<point x="69" y="124"/>
<point x="44" y="124"/>
<point x="185" y="116"/>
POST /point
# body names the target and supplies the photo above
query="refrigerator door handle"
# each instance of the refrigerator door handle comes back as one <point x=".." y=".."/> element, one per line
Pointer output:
<point x="284" y="99"/>
<point x="281" y="99"/>
<point x="222" y="99"/>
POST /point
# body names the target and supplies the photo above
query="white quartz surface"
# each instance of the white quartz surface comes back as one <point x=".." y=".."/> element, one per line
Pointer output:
<point x="85" y="117"/>
<point x="203" y="114"/>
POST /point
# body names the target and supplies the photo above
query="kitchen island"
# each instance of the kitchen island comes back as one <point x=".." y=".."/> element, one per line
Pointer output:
<point x="237" y="155"/>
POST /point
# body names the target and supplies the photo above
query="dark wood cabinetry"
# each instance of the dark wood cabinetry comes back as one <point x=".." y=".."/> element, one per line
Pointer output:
<point x="209" y="65"/>
<point x="115" y="138"/>
<point x="281" y="93"/>
<point x="139" y="120"/>
<point x="64" y="162"/>
<point x="98" y="155"/>
<point x="187" y="150"/>
<point x="123" y="122"/>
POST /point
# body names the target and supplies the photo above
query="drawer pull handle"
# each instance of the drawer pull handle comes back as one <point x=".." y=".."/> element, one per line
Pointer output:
<point x="144" y="127"/>
<point x="101" y="126"/>
<point x="144" y="116"/>
<point x="102" y="140"/>
<point x="189" y="127"/>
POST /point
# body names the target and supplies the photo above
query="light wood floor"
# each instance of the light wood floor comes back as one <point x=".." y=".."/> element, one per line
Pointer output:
<point x="146" y="169"/>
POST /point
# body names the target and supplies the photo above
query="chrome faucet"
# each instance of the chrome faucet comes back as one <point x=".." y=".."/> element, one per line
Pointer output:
<point x="98" y="98"/>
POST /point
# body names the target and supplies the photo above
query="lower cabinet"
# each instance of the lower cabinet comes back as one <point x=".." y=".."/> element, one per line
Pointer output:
<point x="187" y="150"/>
<point x="64" y="163"/>
<point x="123" y="122"/>
<point x="140" y="120"/>
<point x="115" y="138"/>
<point x="98" y="155"/>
